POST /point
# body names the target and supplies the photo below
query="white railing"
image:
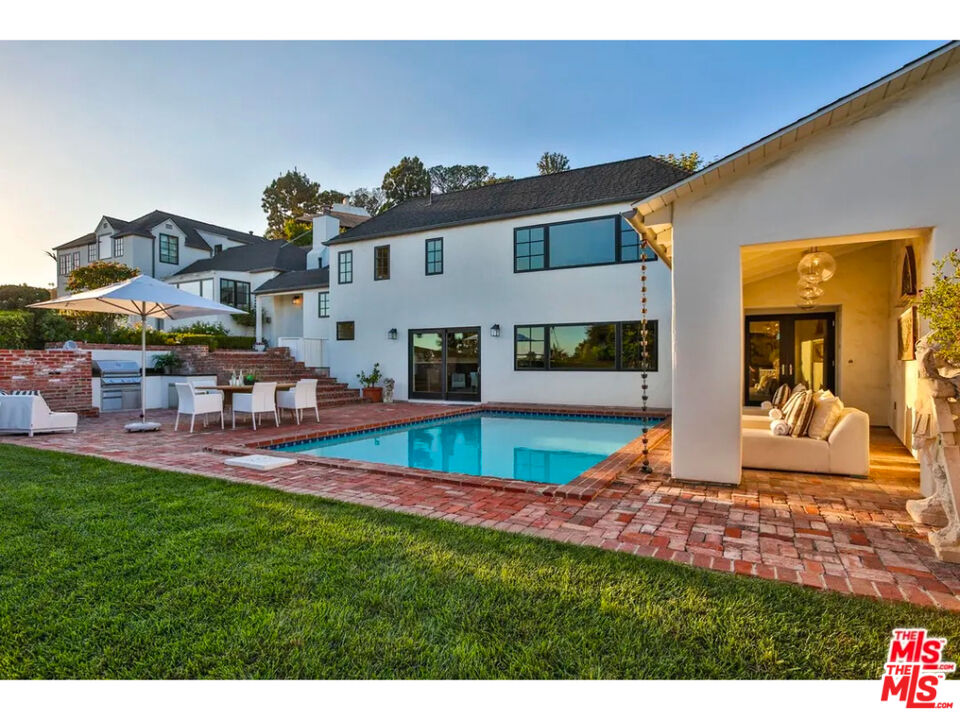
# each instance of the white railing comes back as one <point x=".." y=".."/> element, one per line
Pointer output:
<point x="309" y="351"/>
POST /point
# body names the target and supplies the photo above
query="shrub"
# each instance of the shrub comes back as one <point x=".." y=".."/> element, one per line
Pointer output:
<point x="940" y="304"/>
<point x="16" y="328"/>
<point x="17" y="297"/>
<point x="234" y="342"/>
<point x="203" y="328"/>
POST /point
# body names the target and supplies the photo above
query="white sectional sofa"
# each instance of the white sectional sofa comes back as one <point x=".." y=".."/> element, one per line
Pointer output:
<point x="845" y="452"/>
<point x="30" y="414"/>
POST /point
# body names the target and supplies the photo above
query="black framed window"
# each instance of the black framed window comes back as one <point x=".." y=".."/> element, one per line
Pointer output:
<point x="345" y="267"/>
<point x="235" y="293"/>
<point x="117" y="247"/>
<point x="433" y="258"/>
<point x="169" y="249"/>
<point x="529" y="249"/>
<point x="577" y="243"/>
<point x="63" y="264"/>
<point x="345" y="330"/>
<point x="92" y="253"/>
<point x="323" y="304"/>
<point x="381" y="262"/>
<point x="585" y="346"/>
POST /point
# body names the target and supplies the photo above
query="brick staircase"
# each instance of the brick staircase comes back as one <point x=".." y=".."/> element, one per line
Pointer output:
<point x="275" y="364"/>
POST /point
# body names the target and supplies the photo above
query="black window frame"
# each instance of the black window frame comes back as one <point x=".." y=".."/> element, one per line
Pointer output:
<point x="63" y="264"/>
<point x="93" y="253"/>
<point x="118" y="247"/>
<point x="353" y="330"/>
<point x="344" y="258"/>
<point x="434" y="262"/>
<point x="323" y="304"/>
<point x="653" y="329"/>
<point x="618" y="244"/>
<point x="377" y="250"/>
<point x="231" y="297"/>
<point x="165" y="238"/>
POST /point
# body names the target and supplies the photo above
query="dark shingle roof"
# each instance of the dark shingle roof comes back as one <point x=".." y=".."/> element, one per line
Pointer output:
<point x="143" y="225"/>
<point x="79" y="242"/>
<point x="622" y="181"/>
<point x="296" y="280"/>
<point x="256" y="257"/>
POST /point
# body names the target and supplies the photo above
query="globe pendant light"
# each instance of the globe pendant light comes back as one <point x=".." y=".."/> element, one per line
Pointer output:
<point x="817" y="266"/>
<point x="805" y="304"/>
<point x="808" y="290"/>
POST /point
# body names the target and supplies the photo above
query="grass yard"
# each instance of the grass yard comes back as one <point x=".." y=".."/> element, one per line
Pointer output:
<point x="109" y="570"/>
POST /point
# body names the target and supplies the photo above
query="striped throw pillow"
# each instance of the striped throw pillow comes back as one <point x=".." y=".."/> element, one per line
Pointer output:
<point x="802" y="406"/>
<point x="24" y="392"/>
<point x="781" y="396"/>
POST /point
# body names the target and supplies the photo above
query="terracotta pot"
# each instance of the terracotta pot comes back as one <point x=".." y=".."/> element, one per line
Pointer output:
<point x="373" y="394"/>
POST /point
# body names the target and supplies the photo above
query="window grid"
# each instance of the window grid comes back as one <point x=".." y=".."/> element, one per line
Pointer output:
<point x="532" y="351"/>
<point x="117" y="247"/>
<point x="235" y="293"/>
<point x="345" y="267"/>
<point x="381" y="262"/>
<point x="345" y="330"/>
<point x="529" y="249"/>
<point x="93" y="254"/>
<point x="434" y="256"/>
<point x="532" y="246"/>
<point x="323" y="304"/>
<point x="169" y="249"/>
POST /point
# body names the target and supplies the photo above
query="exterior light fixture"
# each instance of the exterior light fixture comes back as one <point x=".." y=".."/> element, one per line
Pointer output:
<point x="495" y="330"/>
<point x="392" y="334"/>
<point x="297" y="300"/>
<point x="809" y="290"/>
<point x="817" y="266"/>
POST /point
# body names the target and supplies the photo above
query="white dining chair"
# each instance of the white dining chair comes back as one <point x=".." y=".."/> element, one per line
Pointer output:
<point x="303" y="396"/>
<point x="262" y="399"/>
<point x="193" y="403"/>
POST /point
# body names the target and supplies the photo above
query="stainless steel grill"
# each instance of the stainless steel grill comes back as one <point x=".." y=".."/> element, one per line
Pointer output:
<point x="119" y="384"/>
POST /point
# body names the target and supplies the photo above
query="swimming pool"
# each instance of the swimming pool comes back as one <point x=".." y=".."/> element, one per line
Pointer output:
<point x="536" y="448"/>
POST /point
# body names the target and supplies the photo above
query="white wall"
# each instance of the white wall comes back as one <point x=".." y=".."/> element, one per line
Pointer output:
<point x="479" y="288"/>
<point x="897" y="169"/>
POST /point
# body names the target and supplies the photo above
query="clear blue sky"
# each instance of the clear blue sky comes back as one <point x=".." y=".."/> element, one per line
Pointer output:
<point x="199" y="129"/>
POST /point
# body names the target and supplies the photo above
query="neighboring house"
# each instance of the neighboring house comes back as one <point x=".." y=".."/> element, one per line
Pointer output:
<point x="159" y="244"/>
<point x="871" y="179"/>
<point x="524" y="291"/>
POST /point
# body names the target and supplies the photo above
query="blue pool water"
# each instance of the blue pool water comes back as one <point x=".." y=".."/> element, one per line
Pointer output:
<point x="521" y="447"/>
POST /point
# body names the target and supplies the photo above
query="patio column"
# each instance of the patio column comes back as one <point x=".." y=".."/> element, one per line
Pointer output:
<point x="707" y="358"/>
<point x="258" y="312"/>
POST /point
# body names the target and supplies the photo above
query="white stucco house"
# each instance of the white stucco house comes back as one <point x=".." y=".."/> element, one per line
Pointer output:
<point x="871" y="179"/>
<point x="524" y="291"/>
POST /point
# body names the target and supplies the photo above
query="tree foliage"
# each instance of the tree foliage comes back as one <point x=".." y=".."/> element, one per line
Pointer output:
<point x="492" y="179"/>
<point x="407" y="179"/>
<point x="17" y="297"/>
<point x="450" y="178"/>
<point x="370" y="199"/>
<point x="289" y="197"/>
<point x="331" y="197"/>
<point x="553" y="162"/>
<point x="690" y="161"/>
<point x="940" y="305"/>
<point x="99" y="274"/>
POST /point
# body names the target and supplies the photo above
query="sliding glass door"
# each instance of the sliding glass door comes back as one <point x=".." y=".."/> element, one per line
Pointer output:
<point x="445" y="364"/>
<point x="788" y="349"/>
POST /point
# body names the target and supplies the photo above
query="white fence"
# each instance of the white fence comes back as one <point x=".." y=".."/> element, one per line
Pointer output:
<point x="309" y="351"/>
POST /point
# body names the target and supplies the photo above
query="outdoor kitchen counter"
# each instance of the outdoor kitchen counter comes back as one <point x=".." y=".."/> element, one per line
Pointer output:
<point x="159" y="388"/>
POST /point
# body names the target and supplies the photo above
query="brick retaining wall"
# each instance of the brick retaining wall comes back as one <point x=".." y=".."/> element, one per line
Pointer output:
<point x="63" y="377"/>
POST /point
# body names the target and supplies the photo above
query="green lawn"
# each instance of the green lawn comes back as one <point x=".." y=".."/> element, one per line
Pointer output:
<point x="108" y="570"/>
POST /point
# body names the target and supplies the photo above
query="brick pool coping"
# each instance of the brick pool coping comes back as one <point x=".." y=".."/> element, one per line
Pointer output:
<point x="583" y="487"/>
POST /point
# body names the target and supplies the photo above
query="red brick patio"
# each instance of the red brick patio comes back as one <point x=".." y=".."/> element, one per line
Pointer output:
<point x="843" y="534"/>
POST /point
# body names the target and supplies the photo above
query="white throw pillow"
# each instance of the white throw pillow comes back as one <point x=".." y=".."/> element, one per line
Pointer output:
<point x="826" y="415"/>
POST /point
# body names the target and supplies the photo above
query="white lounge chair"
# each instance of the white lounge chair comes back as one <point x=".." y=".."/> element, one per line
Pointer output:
<point x="303" y="396"/>
<point x="191" y="402"/>
<point x="262" y="399"/>
<point x="30" y="414"/>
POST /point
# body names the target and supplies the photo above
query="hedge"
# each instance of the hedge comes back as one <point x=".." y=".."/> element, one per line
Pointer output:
<point x="16" y="329"/>
<point x="215" y="342"/>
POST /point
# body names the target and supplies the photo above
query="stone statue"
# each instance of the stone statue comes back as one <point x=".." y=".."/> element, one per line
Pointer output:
<point x="388" y="384"/>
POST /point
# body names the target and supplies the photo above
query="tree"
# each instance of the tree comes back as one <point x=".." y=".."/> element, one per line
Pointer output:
<point x="407" y="179"/>
<point x="492" y="179"/>
<point x="370" y="200"/>
<point x="90" y="277"/>
<point x="17" y="297"/>
<point x="330" y="197"/>
<point x="550" y="163"/>
<point x="688" y="161"/>
<point x="450" y="178"/>
<point x="289" y="197"/>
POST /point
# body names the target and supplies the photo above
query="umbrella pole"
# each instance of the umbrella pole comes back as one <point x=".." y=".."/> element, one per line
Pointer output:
<point x="143" y="367"/>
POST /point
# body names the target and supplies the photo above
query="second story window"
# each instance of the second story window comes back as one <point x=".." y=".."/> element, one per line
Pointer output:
<point x="576" y="243"/>
<point x="169" y="249"/>
<point x="434" y="256"/>
<point x="92" y="255"/>
<point x="345" y="267"/>
<point x="381" y="262"/>
<point x="235" y="293"/>
<point x="323" y="304"/>
<point x="63" y="264"/>
<point x="118" y="247"/>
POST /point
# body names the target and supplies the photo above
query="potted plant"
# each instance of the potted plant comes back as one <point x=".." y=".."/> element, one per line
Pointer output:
<point x="939" y="304"/>
<point x="250" y="378"/>
<point x="167" y="362"/>
<point x="369" y="381"/>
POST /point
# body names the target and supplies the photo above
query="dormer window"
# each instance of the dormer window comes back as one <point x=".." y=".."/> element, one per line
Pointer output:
<point x="169" y="249"/>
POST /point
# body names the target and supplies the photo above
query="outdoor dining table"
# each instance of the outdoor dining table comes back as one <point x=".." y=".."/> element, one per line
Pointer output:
<point x="229" y="390"/>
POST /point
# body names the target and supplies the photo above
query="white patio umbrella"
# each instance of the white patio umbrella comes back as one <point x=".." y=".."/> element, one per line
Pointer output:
<point x="145" y="297"/>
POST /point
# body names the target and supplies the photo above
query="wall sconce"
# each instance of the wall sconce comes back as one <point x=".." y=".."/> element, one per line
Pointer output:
<point x="495" y="330"/>
<point x="297" y="300"/>
<point x="392" y="334"/>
